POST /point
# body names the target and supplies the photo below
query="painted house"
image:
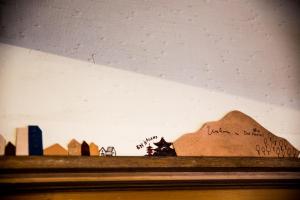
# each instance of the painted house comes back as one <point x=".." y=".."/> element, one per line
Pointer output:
<point x="22" y="141"/>
<point x="85" y="149"/>
<point x="35" y="141"/>
<point x="94" y="149"/>
<point x="74" y="148"/>
<point x="109" y="152"/>
<point x="102" y="151"/>
<point x="2" y="145"/>
<point x="10" y="149"/>
<point x="55" y="150"/>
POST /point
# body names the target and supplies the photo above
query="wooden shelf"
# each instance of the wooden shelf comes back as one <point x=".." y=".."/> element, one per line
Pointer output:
<point x="48" y="173"/>
<point x="145" y="164"/>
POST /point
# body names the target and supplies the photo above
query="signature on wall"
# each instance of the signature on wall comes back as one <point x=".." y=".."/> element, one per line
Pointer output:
<point x="271" y="144"/>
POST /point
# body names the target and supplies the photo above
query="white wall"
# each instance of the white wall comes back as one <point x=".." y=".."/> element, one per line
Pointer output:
<point x="75" y="99"/>
<point x="248" y="48"/>
<point x="147" y="67"/>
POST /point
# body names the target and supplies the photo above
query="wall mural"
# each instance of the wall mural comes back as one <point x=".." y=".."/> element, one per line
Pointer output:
<point x="236" y="134"/>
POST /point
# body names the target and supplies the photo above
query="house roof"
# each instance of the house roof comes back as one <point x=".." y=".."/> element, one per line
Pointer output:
<point x="162" y="143"/>
<point x="55" y="148"/>
<point x="110" y="149"/>
<point x="73" y="143"/>
<point x="1" y="137"/>
<point x="56" y="145"/>
<point x="84" y="143"/>
<point x="93" y="145"/>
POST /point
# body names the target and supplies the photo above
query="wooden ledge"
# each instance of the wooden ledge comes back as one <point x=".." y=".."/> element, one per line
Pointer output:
<point x="145" y="164"/>
<point x="102" y="173"/>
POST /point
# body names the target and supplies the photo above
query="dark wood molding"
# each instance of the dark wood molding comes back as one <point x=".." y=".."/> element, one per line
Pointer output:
<point x="82" y="163"/>
<point x="40" y="173"/>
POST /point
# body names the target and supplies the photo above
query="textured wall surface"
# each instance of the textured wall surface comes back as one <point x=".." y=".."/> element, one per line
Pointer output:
<point x="74" y="99"/>
<point x="147" y="67"/>
<point x="246" y="48"/>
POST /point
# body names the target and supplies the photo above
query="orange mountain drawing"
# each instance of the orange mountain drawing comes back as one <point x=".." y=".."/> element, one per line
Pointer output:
<point x="236" y="134"/>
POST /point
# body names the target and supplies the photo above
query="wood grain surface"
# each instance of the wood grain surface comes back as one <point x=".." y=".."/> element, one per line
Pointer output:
<point x="76" y="177"/>
<point x="216" y="194"/>
<point x="149" y="164"/>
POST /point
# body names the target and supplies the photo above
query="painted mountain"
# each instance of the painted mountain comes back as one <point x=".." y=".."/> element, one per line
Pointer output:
<point x="236" y="134"/>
